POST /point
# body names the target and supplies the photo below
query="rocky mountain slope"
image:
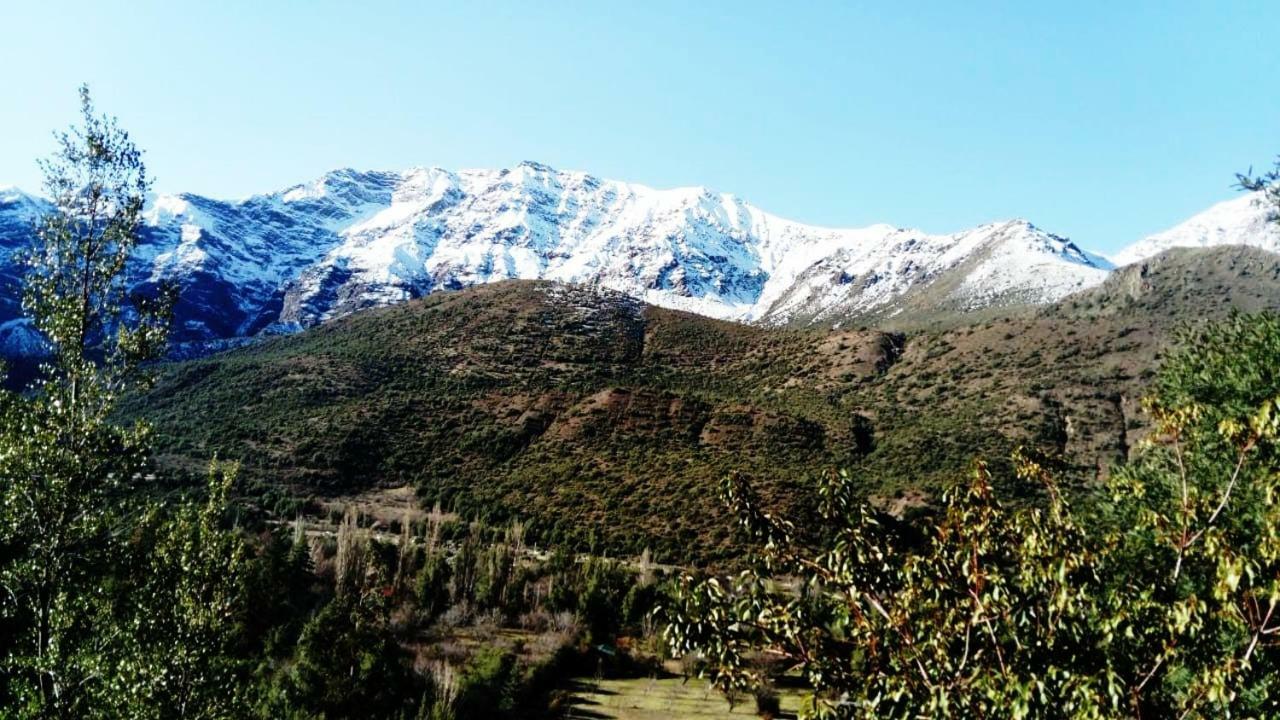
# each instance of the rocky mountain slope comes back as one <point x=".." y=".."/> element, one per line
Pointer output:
<point x="349" y="240"/>
<point x="1195" y="281"/>
<point x="576" y="407"/>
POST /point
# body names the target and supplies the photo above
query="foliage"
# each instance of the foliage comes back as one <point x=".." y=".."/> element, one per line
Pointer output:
<point x="1198" y="520"/>
<point x="625" y="424"/>
<point x="431" y="589"/>
<point x="1162" y="604"/>
<point x="346" y="666"/>
<point x="181" y="612"/>
<point x="64" y="465"/>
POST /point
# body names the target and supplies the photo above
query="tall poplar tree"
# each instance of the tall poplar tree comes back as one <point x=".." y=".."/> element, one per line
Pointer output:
<point x="65" y="466"/>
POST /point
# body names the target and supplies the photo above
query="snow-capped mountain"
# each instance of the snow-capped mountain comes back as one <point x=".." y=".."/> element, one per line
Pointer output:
<point x="1244" y="220"/>
<point x="287" y="260"/>
<point x="904" y="271"/>
<point x="18" y="215"/>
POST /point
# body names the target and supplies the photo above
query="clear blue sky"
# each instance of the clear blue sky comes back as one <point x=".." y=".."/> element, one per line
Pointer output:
<point x="1103" y="121"/>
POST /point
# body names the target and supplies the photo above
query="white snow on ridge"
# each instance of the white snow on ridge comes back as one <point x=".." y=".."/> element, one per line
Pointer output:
<point x="1030" y="265"/>
<point x="20" y="206"/>
<point x="1244" y="220"/>
<point x="997" y="264"/>
<point x="350" y="239"/>
<point x="355" y="239"/>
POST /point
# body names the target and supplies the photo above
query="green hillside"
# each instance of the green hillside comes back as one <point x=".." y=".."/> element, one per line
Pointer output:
<point x="592" y="415"/>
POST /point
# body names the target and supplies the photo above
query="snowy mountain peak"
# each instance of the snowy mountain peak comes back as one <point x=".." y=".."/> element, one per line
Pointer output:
<point x="1243" y="220"/>
<point x="19" y="212"/>
<point x="11" y="196"/>
<point x="351" y="239"/>
<point x="537" y="166"/>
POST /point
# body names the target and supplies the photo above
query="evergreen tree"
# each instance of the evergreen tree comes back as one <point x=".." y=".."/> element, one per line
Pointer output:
<point x="347" y="666"/>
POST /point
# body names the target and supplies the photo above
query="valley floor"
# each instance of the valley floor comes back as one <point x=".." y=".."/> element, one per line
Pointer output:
<point x="662" y="698"/>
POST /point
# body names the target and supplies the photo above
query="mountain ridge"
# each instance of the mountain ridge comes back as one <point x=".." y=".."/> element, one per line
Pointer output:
<point x="279" y="262"/>
<point x="548" y="401"/>
<point x="1243" y="220"/>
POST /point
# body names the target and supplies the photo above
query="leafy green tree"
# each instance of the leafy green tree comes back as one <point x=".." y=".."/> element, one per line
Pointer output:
<point x="64" y="465"/>
<point x="278" y="588"/>
<point x="1162" y="603"/>
<point x="1200" y="513"/>
<point x="181" y="654"/>
<point x="487" y="688"/>
<point x="975" y="624"/>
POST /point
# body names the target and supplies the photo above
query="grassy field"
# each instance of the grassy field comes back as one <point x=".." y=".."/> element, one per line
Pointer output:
<point x="662" y="699"/>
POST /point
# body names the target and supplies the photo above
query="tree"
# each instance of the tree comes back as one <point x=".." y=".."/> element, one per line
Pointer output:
<point x="1162" y="602"/>
<point x="431" y="588"/>
<point x="347" y="665"/>
<point x="964" y="626"/>
<point x="64" y="465"/>
<point x="183" y="612"/>
<point x="1201" y="508"/>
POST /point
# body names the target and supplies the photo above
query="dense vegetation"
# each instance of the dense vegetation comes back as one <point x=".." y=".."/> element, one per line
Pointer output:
<point x="1159" y="600"/>
<point x="574" y="409"/>
<point x="1117" y="562"/>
